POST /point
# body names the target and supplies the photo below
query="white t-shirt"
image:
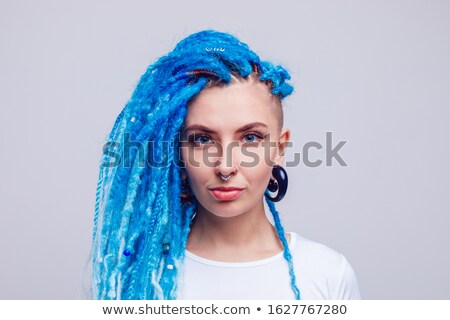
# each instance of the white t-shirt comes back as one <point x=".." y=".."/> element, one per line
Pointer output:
<point x="321" y="273"/>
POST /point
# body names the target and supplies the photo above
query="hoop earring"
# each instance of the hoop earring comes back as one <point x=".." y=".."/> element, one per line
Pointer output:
<point x="280" y="184"/>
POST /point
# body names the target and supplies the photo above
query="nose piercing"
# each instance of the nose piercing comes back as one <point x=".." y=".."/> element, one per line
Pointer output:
<point x="228" y="177"/>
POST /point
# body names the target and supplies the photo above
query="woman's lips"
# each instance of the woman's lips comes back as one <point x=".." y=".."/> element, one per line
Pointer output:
<point x="226" y="195"/>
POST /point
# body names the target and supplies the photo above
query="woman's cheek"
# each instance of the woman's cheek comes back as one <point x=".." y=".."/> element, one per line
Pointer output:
<point x="256" y="157"/>
<point x="205" y="156"/>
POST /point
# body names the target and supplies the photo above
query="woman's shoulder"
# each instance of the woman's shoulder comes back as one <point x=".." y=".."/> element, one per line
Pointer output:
<point x="312" y="249"/>
<point x="325" y="268"/>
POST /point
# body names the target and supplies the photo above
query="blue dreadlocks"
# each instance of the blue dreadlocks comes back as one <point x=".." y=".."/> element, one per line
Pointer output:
<point x="140" y="225"/>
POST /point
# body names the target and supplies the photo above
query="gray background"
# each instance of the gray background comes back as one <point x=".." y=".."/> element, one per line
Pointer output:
<point x="375" y="73"/>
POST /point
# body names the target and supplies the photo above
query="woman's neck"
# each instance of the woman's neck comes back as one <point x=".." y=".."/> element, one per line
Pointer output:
<point x="246" y="237"/>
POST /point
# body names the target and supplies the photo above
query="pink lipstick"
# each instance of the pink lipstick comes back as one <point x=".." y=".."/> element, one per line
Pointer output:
<point x="226" y="193"/>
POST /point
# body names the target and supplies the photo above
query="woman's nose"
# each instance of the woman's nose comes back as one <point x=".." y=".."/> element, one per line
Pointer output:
<point x="225" y="170"/>
<point x="226" y="163"/>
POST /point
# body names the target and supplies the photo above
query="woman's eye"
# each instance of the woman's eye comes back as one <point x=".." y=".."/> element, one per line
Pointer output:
<point x="201" y="139"/>
<point x="252" y="137"/>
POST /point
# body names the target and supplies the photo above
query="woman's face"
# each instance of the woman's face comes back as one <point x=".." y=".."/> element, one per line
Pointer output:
<point x="232" y="130"/>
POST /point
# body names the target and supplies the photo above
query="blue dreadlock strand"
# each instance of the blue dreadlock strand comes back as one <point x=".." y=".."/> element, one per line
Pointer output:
<point x="140" y="226"/>
<point x="287" y="253"/>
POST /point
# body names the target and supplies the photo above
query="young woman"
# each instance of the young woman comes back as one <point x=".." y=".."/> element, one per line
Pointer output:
<point x="181" y="214"/>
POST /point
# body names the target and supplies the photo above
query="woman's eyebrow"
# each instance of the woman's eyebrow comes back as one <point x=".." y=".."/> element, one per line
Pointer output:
<point x="241" y="129"/>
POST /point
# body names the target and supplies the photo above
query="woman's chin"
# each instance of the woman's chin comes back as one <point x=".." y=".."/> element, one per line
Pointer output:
<point x="225" y="209"/>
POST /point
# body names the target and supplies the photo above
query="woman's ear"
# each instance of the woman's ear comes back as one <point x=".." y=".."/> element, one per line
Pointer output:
<point x="283" y="144"/>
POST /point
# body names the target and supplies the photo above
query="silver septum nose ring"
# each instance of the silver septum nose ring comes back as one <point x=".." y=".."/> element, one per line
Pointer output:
<point x="225" y="178"/>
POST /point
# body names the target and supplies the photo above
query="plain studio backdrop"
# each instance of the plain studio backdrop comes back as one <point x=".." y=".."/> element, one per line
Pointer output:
<point x="374" y="73"/>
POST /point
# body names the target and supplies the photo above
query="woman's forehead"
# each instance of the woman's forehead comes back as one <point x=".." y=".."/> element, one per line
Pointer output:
<point x="237" y="104"/>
